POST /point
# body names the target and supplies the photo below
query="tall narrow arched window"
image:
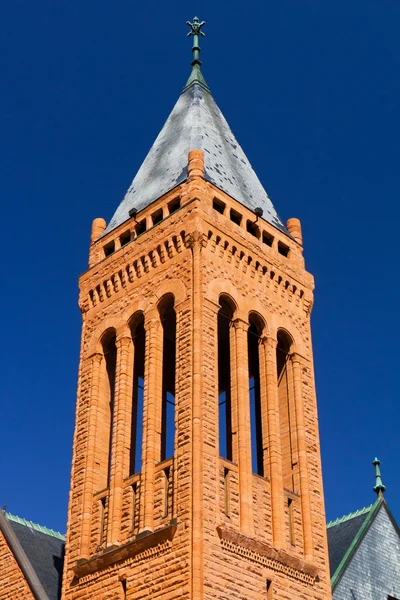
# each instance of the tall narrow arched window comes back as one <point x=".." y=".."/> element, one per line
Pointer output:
<point x="139" y="341"/>
<point x="253" y="341"/>
<point x="286" y="413"/>
<point x="106" y="408"/>
<point x="168" y="320"/>
<point x="225" y="315"/>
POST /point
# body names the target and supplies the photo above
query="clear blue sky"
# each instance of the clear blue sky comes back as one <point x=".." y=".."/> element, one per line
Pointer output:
<point x="311" y="90"/>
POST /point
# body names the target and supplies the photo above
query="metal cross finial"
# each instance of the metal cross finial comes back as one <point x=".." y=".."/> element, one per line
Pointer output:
<point x="379" y="488"/>
<point x="195" y="27"/>
<point x="196" y="76"/>
<point x="195" y="31"/>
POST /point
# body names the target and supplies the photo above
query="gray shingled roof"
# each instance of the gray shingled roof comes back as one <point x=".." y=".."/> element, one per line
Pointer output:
<point x="196" y="123"/>
<point x="45" y="552"/>
<point x="341" y="534"/>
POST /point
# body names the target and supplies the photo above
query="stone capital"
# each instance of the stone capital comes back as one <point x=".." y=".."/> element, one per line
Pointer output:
<point x="96" y="357"/>
<point x="240" y="324"/>
<point x="152" y="320"/>
<point x="194" y="239"/>
<point x="123" y="340"/>
<point x="269" y="342"/>
<point x="298" y="358"/>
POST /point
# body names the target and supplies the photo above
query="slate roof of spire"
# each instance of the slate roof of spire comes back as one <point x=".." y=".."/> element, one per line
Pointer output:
<point x="196" y="123"/>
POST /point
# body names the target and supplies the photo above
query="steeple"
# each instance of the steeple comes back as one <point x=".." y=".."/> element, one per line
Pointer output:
<point x="196" y="123"/>
<point x="379" y="488"/>
<point x="196" y="442"/>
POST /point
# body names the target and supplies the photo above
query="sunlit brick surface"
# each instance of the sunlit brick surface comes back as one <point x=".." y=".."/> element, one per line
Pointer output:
<point x="204" y="549"/>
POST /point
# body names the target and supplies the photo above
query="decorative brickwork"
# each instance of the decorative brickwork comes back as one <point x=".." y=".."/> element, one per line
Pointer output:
<point x="196" y="526"/>
<point x="12" y="581"/>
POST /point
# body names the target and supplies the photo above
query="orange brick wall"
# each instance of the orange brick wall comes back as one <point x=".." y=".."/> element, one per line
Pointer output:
<point x="197" y="254"/>
<point x="12" y="580"/>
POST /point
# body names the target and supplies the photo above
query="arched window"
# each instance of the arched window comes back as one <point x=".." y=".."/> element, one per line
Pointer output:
<point x="286" y="410"/>
<point x="139" y="341"/>
<point x="106" y="408"/>
<point x="225" y="315"/>
<point x="253" y="341"/>
<point x="168" y="320"/>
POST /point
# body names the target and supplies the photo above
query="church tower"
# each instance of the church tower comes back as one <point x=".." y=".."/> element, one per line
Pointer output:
<point x="196" y="464"/>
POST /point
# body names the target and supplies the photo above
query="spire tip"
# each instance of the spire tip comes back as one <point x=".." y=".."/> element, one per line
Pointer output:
<point x="379" y="488"/>
<point x="196" y="75"/>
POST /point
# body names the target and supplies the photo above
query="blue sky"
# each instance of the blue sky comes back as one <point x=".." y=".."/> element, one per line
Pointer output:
<point x="311" y="90"/>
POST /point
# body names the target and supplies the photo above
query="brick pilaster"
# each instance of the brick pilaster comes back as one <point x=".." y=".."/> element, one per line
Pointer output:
<point x="195" y="243"/>
<point x="244" y="435"/>
<point x="274" y="442"/>
<point x="151" y="417"/>
<point x="89" y="483"/>
<point x="120" y="436"/>
<point x="302" y="453"/>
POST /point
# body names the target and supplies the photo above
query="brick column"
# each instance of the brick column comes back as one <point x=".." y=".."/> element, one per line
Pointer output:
<point x="89" y="483"/>
<point x="120" y="436"/>
<point x="262" y="350"/>
<point x="195" y="243"/>
<point x="234" y="396"/>
<point x="151" y="417"/>
<point x="274" y="442"/>
<point x="302" y="453"/>
<point x="243" y="424"/>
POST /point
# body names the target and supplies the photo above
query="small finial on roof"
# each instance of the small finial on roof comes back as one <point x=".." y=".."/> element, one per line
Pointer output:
<point x="195" y="31"/>
<point x="379" y="487"/>
<point x="196" y="75"/>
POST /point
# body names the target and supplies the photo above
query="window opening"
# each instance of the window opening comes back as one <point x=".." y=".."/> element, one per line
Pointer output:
<point x="283" y="372"/>
<point x="219" y="206"/>
<point x="157" y="216"/>
<point x="167" y="473"/>
<point x="109" y="248"/>
<point x="267" y="238"/>
<point x="123" y="586"/>
<point x="225" y="315"/>
<point x="140" y="227"/>
<point x="168" y="319"/>
<point x="110" y="355"/>
<point x="253" y="229"/>
<point x="291" y="521"/>
<point x="139" y="343"/>
<point x="226" y="492"/>
<point x="174" y="205"/>
<point x="255" y="400"/>
<point x="134" y="499"/>
<point x="270" y="590"/>
<point x="283" y="249"/>
<point x="102" y="520"/>
<point x="235" y="217"/>
<point x="125" y="238"/>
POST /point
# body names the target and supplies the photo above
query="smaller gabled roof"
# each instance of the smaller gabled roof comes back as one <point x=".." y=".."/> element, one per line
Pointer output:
<point x="345" y="535"/>
<point x="39" y="552"/>
<point x="341" y="535"/>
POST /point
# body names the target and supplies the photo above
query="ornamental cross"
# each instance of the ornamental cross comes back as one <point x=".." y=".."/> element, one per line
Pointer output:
<point x="195" y="27"/>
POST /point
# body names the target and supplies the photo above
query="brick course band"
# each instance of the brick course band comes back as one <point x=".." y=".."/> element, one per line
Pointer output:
<point x="267" y="556"/>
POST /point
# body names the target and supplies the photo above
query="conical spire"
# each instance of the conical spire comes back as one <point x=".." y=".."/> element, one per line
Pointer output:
<point x="196" y="123"/>
<point x="379" y="487"/>
<point x="196" y="75"/>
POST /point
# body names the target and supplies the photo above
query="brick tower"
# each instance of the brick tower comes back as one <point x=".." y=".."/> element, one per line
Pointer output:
<point x="196" y="464"/>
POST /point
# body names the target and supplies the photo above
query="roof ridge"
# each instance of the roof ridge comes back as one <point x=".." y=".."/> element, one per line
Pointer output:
<point x="362" y="530"/>
<point x="35" y="526"/>
<point x="352" y="515"/>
